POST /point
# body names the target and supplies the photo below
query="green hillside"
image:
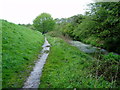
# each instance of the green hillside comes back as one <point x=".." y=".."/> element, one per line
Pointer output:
<point x="20" y="48"/>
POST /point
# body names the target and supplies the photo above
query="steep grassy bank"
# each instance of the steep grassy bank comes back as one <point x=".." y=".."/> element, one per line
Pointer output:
<point x="67" y="67"/>
<point x="0" y="54"/>
<point x="20" y="47"/>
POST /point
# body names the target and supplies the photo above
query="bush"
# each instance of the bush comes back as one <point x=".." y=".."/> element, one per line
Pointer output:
<point x="108" y="67"/>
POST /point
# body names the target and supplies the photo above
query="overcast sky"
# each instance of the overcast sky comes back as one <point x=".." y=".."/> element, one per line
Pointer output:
<point x="25" y="11"/>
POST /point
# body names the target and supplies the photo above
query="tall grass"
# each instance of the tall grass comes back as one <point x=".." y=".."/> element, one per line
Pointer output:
<point x="107" y="66"/>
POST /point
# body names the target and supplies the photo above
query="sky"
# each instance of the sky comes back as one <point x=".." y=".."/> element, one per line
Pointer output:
<point x="25" y="11"/>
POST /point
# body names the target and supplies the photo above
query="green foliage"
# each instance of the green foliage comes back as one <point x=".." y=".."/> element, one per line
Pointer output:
<point x="99" y="27"/>
<point x="55" y="34"/>
<point x="20" y="48"/>
<point x="109" y="67"/>
<point x="0" y="54"/>
<point x="101" y="22"/>
<point x="107" y="15"/>
<point x="59" y="34"/>
<point x="85" y="29"/>
<point x="67" y="67"/>
<point x="44" y="23"/>
<point x="68" y="25"/>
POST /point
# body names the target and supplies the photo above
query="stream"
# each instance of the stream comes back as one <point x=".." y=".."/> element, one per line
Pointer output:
<point x="87" y="48"/>
<point x="33" y="80"/>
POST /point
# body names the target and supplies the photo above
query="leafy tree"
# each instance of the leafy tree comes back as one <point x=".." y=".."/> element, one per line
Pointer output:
<point x="108" y="16"/>
<point x="101" y="22"/>
<point x="44" y="23"/>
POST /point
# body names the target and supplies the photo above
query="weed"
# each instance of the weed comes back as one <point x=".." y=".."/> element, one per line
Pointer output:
<point x="108" y="67"/>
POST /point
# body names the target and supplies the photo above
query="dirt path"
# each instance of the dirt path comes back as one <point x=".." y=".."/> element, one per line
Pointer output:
<point x="33" y="80"/>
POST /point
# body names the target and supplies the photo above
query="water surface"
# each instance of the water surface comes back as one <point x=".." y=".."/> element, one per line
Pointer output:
<point x="33" y="80"/>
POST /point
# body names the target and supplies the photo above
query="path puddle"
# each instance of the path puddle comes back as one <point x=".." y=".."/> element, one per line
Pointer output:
<point x="33" y="80"/>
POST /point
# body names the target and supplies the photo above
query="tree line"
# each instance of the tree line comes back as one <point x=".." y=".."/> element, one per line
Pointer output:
<point x="100" y="26"/>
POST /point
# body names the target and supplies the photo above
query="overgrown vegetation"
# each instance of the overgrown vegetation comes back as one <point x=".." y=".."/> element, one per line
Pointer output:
<point x="20" y="48"/>
<point x="103" y="65"/>
<point x="67" y="67"/>
<point x="107" y="66"/>
<point x="100" y="26"/>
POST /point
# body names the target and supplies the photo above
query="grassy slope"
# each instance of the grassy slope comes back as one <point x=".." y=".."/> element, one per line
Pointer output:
<point x="0" y="55"/>
<point x="67" y="67"/>
<point x="20" y="49"/>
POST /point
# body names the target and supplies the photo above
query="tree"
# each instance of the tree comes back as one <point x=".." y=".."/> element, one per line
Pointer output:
<point x="44" y="23"/>
<point x="108" y="16"/>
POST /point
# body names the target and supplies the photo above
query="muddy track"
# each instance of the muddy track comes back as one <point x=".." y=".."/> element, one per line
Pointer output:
<point x="33" y="80"/>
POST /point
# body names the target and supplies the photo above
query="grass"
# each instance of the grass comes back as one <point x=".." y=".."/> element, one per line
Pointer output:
<point x="0" y="55"/>
<point x="57" y="33"/>
<point x="20" y="48"/>
<point x="67" y="67"/>
<point x="106" y="65"/>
